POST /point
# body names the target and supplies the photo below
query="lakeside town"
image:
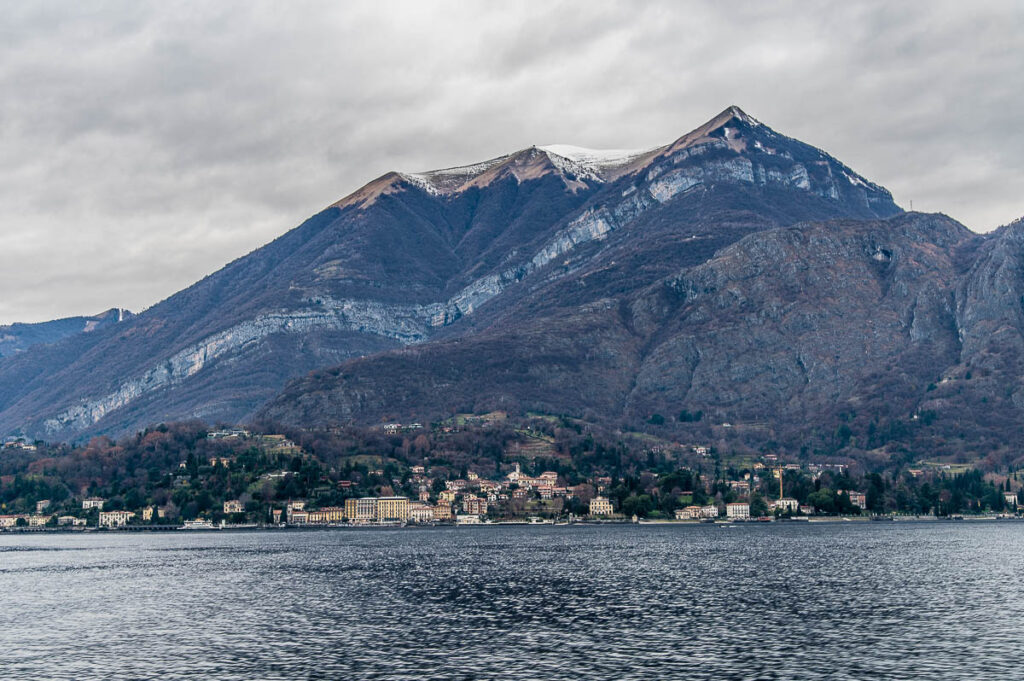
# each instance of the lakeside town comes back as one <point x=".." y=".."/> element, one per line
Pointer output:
<point x="468" y="472"/>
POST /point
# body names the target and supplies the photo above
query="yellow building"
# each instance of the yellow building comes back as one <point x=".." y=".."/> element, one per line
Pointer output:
<point x="447" y="495"/>
<point x="361" y="510"/>
<point x="327" y="515"/>
<point x="233" y="506"/>
<point x="443" y="511"/>
<point x="392" y="509"/>
<point x="601" y="506"/>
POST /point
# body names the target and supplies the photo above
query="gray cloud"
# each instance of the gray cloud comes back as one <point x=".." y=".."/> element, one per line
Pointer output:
<point x="145" y="144"/>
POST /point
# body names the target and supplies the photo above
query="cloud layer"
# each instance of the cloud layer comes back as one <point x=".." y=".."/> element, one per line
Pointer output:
<point x="145" y="144"/>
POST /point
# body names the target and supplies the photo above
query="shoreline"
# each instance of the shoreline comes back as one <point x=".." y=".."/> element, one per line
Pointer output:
<point x="801" y="520"/>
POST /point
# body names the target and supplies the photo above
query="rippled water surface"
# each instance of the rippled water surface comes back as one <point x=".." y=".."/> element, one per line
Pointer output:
<point x="821" y="601"/>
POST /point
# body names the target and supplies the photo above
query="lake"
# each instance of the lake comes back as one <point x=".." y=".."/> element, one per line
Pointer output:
<point x="939" y="600"/>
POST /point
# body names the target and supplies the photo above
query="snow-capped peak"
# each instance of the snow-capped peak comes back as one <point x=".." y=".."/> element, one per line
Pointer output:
<point x="596" y="158"/>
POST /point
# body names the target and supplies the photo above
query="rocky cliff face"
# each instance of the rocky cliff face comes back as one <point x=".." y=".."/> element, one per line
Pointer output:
<point x="411" y="259"/>
<point x="847" y="335"/>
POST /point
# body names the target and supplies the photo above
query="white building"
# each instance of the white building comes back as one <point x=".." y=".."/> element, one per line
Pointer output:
<point x="737" y="510"/>
<point x="115" y="518"/>
<point x="92" y="502"/>
<point x="709" y="511"/>
<point x="786" y="505"/>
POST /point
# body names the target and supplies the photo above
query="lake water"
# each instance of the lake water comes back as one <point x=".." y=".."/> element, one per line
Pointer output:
<point x="779" y="601"/>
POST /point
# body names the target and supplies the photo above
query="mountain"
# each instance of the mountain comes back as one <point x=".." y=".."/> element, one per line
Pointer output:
<point x="550" y="245"/>
<point x="19" y="337"/>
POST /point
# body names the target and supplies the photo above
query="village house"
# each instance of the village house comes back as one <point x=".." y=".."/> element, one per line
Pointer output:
<point x="443" y="511"/>
<point x="688" y="513"/>
<point x="233" y="506"/>
<point x="474" y="505"/>
<point x="224" y="434"/>
<point x="709" y="511"/>
<point x="601" y="506"/>
<point x="858" y="499"/>
<point x="92" y="502"/>
<point x="786" y="505"/>
<point x="420" y="512"/>
<point x="294" y="507"/>
<point x="1010" y="498"/>
<point x="741" y="487"/>
<point x="70" y="520"/>
<point x="42" y="505"/>
<point x="12" y="520"/>
<point x="807" y="510"/>
<point x="737" y="510"/>
<point x="38" y="520"/>
<point x="115" y="518"/>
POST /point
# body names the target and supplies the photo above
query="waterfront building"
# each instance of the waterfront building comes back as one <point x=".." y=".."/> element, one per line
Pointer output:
<point x="115" y="518"/>
<point x="38" y="520"/>
<point x="737" y="510"/>
<point x="709" y="511"/>
<point x="392" y="509"/>
<point x="70" y="520"/>
<point x="294" y="507"/>
<point x="468" y="519"/>
<point x="361" y="510"/>
<point x="233" y="506"/>
<point x="12" y="520"/>
<point x="92" y="502"/>
<point x="688" y="513"/>
<point x="420" y="512"/>
<point x="474" y="505"/>
<point x="276" y="515"/>
<point x="858" y="499"/>
<point x="443" y="511"/>
<point x="325" y="516"/>
<point x="601" y="506"/>
<point x="298" y="517"/>
<point x="786" y="505"/>
<point x="1011" y="499"/>
<point x="807" y="510"/>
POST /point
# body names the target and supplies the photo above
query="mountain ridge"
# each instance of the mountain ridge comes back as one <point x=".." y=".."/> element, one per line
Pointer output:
<point x="395" y="264"/>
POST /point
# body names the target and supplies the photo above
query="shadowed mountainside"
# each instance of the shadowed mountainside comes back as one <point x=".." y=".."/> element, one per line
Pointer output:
<point x="531" y="243"/>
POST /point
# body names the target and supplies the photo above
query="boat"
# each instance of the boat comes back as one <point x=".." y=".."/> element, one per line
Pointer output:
<point x="198" y="525"/>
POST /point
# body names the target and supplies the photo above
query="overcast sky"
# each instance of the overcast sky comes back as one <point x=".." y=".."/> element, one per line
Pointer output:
<point x="144" y="145"/>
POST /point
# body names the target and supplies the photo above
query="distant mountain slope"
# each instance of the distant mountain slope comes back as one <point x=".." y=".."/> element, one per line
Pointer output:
<point x="842" y="334"/>
<point x="18" y="337"/>
<point x="413" y="258"/>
